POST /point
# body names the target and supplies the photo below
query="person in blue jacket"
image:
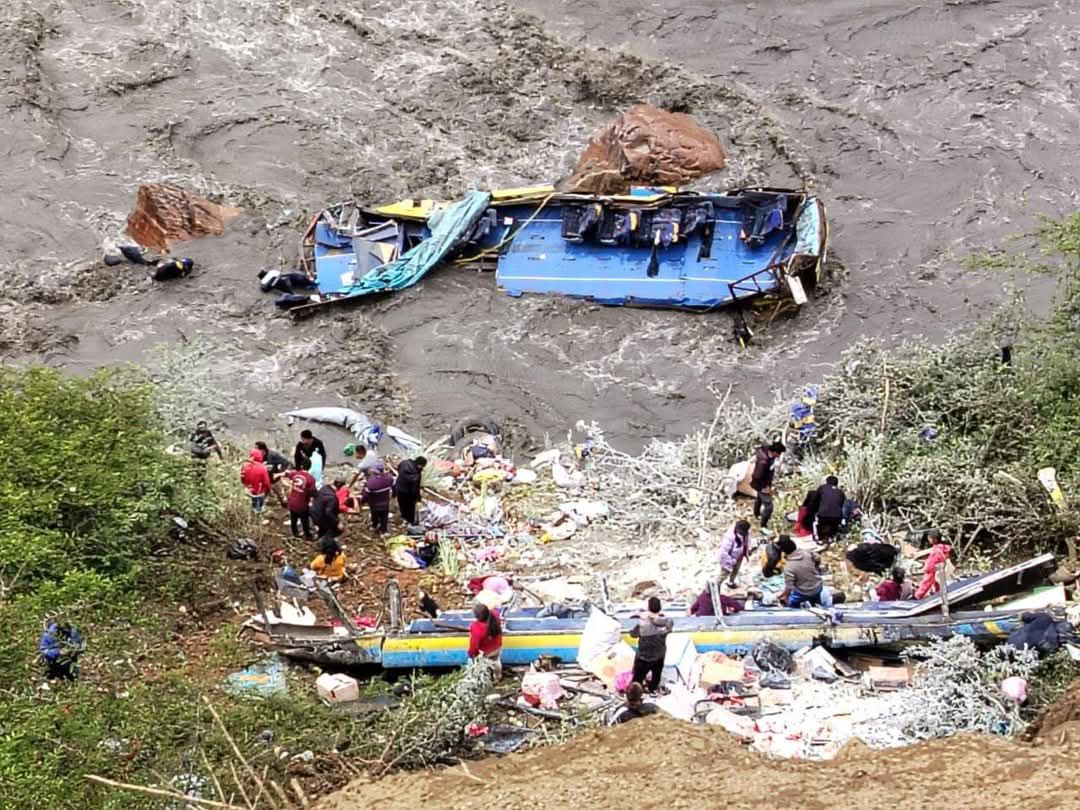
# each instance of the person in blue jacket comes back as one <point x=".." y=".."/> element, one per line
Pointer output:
<point x="60" y="647"/>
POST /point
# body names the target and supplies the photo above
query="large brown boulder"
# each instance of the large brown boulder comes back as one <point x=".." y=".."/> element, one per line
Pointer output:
<point x="165" y="215"/>
<point x="646" y="146"/>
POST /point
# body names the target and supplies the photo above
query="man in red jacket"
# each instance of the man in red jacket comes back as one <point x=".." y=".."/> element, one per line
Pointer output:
<point x="255" y="476"/>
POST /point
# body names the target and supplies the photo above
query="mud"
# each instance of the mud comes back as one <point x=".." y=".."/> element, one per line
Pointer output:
<point x="931" y="130"/>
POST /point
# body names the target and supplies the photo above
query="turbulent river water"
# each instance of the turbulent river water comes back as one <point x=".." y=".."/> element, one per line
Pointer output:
<point x="932" y="130"/>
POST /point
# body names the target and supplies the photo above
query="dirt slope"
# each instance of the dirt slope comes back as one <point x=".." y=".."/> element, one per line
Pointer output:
<point x="662" y="763"/>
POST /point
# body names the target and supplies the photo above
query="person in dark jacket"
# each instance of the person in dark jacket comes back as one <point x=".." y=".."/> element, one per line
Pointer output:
<point x="407" y="487"/>
<point x="774" y="555"/>
<point x="651" y="631"/>
<point x="635" y="707"/>
<point x="326" y="512"/>
<point x="830" y="509"/>
<point x="761" y="480"/>
<point x="275" y="462"/>
<point x="308" y="445"/>
<point x="60" y="647"/>
<point x="377" y="491"/>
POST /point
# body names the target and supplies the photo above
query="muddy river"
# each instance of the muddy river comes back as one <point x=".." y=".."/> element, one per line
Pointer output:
<point x="931" y="130"/>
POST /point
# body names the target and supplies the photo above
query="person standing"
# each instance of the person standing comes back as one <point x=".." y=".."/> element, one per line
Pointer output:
<point x="301" y="492"/>
<point x="307" y="447"/>
<point x="830" y="510"/>
<point x="326" y="512"/>
<point x="255" y="476"/>
<point x="940" y="552"/>
<point x="761" y="480"/>
<point x="377" y="491"/>
<point x="408" y="487"/>
<point x="651" y="631"/>
<point x="734" y="548"/>
<point x="486" y="636"/>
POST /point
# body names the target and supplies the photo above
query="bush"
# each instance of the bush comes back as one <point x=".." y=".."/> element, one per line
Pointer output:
<point x="87" y="496"/>
<point x="960" y="434"/>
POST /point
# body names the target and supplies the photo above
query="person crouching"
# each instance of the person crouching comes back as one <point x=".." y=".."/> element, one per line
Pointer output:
<point x="485" y="636"/>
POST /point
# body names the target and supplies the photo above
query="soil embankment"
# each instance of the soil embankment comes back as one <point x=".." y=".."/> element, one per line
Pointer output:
<point x="662" y="763"/>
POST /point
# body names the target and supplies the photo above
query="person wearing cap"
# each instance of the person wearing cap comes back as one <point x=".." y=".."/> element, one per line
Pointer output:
<point x="255" y="476"/>
<point x="761" y="480"/>
<point x="377" y="491"/>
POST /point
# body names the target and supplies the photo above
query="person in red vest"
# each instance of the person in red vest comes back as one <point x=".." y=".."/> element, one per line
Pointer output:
<point x="301" y="492"/>
<point x="255" y="476"/>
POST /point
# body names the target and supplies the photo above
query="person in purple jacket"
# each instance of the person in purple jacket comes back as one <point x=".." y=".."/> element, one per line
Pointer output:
<point x="378" y="488"/>
<point x="734" y="548"/>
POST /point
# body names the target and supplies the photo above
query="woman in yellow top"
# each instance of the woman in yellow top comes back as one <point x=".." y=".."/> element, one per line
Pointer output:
<point x="331" y="562"/>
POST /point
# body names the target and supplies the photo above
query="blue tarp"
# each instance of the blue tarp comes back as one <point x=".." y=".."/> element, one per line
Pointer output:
<point x="448" y="227"/>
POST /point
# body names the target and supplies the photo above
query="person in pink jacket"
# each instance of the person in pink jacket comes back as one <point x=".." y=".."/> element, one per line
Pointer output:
<point x="939" y="555"/>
